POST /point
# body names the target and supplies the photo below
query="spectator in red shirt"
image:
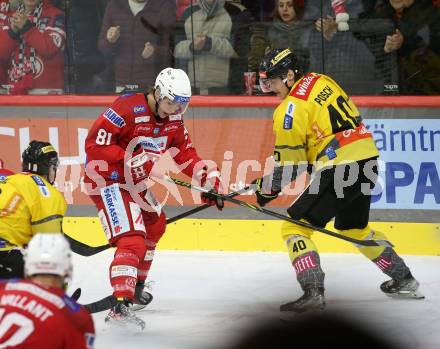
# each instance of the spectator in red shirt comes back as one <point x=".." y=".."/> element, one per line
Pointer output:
<point x="32" y="43"/>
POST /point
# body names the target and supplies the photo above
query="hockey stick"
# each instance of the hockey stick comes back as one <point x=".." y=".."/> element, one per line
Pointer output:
<point x="110" y="301"/>
<point x="86" y="250"/>
<point x="280" y="216"/>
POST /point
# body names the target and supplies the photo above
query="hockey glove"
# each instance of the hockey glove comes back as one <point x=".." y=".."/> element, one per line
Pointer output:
<point x="140" y="164"/>
<point x="211" y="180"/>
<point x="263" y="197"/>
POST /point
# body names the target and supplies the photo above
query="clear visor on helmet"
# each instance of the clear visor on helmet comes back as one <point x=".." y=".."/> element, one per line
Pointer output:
<point x="179" y="104"/>
<point x="54" y="162"/>
<point x="266" y="85"/>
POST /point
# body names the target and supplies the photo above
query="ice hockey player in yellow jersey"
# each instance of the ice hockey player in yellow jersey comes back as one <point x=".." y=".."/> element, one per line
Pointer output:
<point x="319" y="129"/>
<point x="28" y="204"/>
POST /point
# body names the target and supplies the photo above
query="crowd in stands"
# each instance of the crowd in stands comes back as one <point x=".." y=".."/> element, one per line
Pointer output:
<point x="373" y="47"/>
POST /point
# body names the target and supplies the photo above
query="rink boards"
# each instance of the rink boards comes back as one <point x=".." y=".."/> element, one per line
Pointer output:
<point x="261" y="235"/>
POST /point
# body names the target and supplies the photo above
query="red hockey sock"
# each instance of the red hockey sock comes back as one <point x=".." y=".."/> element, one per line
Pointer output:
<point x="145" y="264"/>
<point x="124" y="267"/>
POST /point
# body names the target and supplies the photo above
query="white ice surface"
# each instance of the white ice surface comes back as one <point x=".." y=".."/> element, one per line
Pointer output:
<point x="207" y="299"/>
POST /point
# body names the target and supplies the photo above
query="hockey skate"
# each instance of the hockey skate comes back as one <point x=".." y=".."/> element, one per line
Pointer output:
<point x="312" y="299"/>
<point x="141" y="297"/>
<point x="405" y="288"/>
<point x="122" y="315"/>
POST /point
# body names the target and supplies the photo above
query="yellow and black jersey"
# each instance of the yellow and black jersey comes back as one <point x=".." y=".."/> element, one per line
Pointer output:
<point x="317" y="122"/>
<point x="28" y="204"/>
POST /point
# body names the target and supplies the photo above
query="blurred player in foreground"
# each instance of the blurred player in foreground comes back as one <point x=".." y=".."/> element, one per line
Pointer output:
<point x="36" y="313"/>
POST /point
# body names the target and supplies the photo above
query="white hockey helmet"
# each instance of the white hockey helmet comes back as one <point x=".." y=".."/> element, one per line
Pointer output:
<point x="175" y="85"/>
<point x="48" y="253"/>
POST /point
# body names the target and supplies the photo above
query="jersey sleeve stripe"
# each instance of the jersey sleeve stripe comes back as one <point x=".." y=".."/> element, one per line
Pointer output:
<point x="289" y="147"/>
<point x="47" y="219"/>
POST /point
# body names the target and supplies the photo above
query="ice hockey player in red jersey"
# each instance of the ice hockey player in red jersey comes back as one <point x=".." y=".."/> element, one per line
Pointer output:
<point x="36" y="313"/>
<point x="122" y="147"/>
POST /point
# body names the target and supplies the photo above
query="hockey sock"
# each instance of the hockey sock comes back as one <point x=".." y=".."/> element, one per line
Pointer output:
<point x="391" y="264"/>
<point x="124" y="267"/>
<point x="384" y="257"/>
<point x="145" y="265"/>
<point x="306" y="262"/>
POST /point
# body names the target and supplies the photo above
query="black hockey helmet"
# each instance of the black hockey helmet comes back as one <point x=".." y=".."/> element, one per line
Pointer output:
<point x="275" y="64"/>
<point x="38" y="157"/>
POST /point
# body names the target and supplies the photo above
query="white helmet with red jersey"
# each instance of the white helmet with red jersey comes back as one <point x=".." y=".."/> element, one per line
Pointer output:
<point x="48" y="253"/>
<point x="175" y="85"/>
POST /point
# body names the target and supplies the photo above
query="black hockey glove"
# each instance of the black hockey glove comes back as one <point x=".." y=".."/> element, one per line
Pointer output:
<point x="262" y="197"/>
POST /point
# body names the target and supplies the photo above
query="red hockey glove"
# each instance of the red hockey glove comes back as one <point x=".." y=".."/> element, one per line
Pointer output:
<point x="140" y="165"/>
<point x="211" y="181"/>
<point x="263" y="197"/>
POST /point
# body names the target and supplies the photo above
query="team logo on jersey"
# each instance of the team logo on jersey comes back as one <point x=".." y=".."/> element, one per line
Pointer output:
<point x="140" y="119"/>
<point x="114" y="176"/>
<point x="41" y="185"/>
<point x="115" y="209"/>
<point x="288" y="117"/>
<point x="3" y="178"/>
<point x="156" y="131"/>
<point x="303" y="89"/>
<point x="114" y="118"/>
<point x="330" y="152"/>
<point x="139" y="109"/>
<point x="287" y="124"/>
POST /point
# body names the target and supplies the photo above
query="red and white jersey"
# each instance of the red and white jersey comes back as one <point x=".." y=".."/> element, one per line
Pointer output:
<point x="33" y="316"/>
<point x="129" y="118"/>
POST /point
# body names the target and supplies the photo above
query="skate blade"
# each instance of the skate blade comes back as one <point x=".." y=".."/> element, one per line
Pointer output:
<point x="290" y="316"/>
<point x="137" y="324"/>
<point x="137" y="307"/>
<point x="406" y="295"/>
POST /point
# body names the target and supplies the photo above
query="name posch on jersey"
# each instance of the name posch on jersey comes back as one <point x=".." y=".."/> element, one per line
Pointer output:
<point x="302" y="91"/>
<point x="114" y="118"/>
<point x="322" y="96"/>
